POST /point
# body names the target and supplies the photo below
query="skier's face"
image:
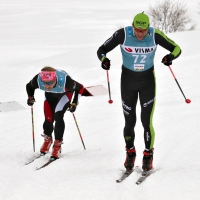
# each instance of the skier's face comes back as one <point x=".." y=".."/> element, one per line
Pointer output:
<point x="49" y="85"/>
<point x="140" y="33"/>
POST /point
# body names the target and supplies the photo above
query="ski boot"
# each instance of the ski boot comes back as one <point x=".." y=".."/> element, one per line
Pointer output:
<point x="147" y="163"/>
<point x="56" y="149"/>
<point x="130" y="158"/>
<point x="46" y="145"/>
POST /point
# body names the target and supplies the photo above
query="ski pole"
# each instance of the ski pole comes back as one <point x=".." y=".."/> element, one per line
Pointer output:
<point x="78" y="130"/>
<point x="186" y="100"/>
<point x="33" y="129"/>
<point x="110" y="101"/>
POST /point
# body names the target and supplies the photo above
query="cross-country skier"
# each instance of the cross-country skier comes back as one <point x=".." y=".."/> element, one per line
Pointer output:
<point x="138" y="46"/>
<point x="59" y="88"/>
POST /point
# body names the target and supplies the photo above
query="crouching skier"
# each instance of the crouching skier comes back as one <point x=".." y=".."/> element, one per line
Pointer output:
<point x="59" y="88"/>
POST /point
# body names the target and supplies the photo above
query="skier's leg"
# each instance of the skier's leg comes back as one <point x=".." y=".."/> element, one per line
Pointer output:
<point x="147" y="101"/>
<point x="60" y="110"/>
<point x="48" y="127"/>
<point x="49" y="118"/>
<point x="129" y="100"/>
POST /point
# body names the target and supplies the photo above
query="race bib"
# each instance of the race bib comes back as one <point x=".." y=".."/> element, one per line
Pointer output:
<point x="138" y="67"/>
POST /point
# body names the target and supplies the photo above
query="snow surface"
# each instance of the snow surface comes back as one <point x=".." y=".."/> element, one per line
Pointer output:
<point x="66" y="34"/>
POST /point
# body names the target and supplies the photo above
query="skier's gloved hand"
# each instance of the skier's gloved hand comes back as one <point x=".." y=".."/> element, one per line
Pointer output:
<point x="105" y="63"/>
<point x="167" y="60"/>
<point x="30" y="101"/>
<point x="72" y="107"/>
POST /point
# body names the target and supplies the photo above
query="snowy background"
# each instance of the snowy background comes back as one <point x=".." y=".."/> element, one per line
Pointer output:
<point x="66" y="34"/>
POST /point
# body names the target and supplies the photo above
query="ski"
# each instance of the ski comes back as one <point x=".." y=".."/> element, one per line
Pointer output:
<point x="144" y="175"/>
<point x="124" y="175"/>
<point x="35" y="158"/>
<point x="47" y="163"/>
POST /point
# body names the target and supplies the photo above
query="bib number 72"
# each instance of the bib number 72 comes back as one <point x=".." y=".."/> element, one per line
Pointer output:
<point x="139" y="58"/>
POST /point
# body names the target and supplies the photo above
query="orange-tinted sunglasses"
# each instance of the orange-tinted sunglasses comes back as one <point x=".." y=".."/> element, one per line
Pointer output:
<point x="140" y="30"/>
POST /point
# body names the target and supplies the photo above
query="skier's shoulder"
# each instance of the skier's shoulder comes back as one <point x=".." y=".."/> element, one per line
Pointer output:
<point x="61" y="72"/>
<point x="119" y="31"/>
<point x="32" y="84"/>
<point x="160" y="37"/>
<point x="159" y="33"/>
<point x="119" y="35"/>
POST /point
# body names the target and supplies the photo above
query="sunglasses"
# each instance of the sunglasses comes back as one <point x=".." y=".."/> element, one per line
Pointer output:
<point x="48" y="83"/>
<point x="140" y="30"/>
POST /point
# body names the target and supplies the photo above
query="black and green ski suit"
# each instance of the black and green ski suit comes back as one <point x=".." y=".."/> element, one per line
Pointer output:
<point x="138" y="77"/>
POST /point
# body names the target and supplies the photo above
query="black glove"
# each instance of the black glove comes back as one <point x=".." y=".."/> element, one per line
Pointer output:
<point x="30" y="101"/>
<point x="72" y="107"/>
<point x="105" y="63"/>
<point x="167" y="60"/>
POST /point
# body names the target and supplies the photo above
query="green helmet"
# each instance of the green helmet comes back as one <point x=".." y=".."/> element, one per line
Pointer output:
<point x="141" y="21"/>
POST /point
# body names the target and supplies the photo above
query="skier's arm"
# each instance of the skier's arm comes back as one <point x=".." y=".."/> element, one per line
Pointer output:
<point x="116" y="39"/>
<point x="167" y="43"/>
<point x="74" y="86"/>
<point x="31" y="86"/>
